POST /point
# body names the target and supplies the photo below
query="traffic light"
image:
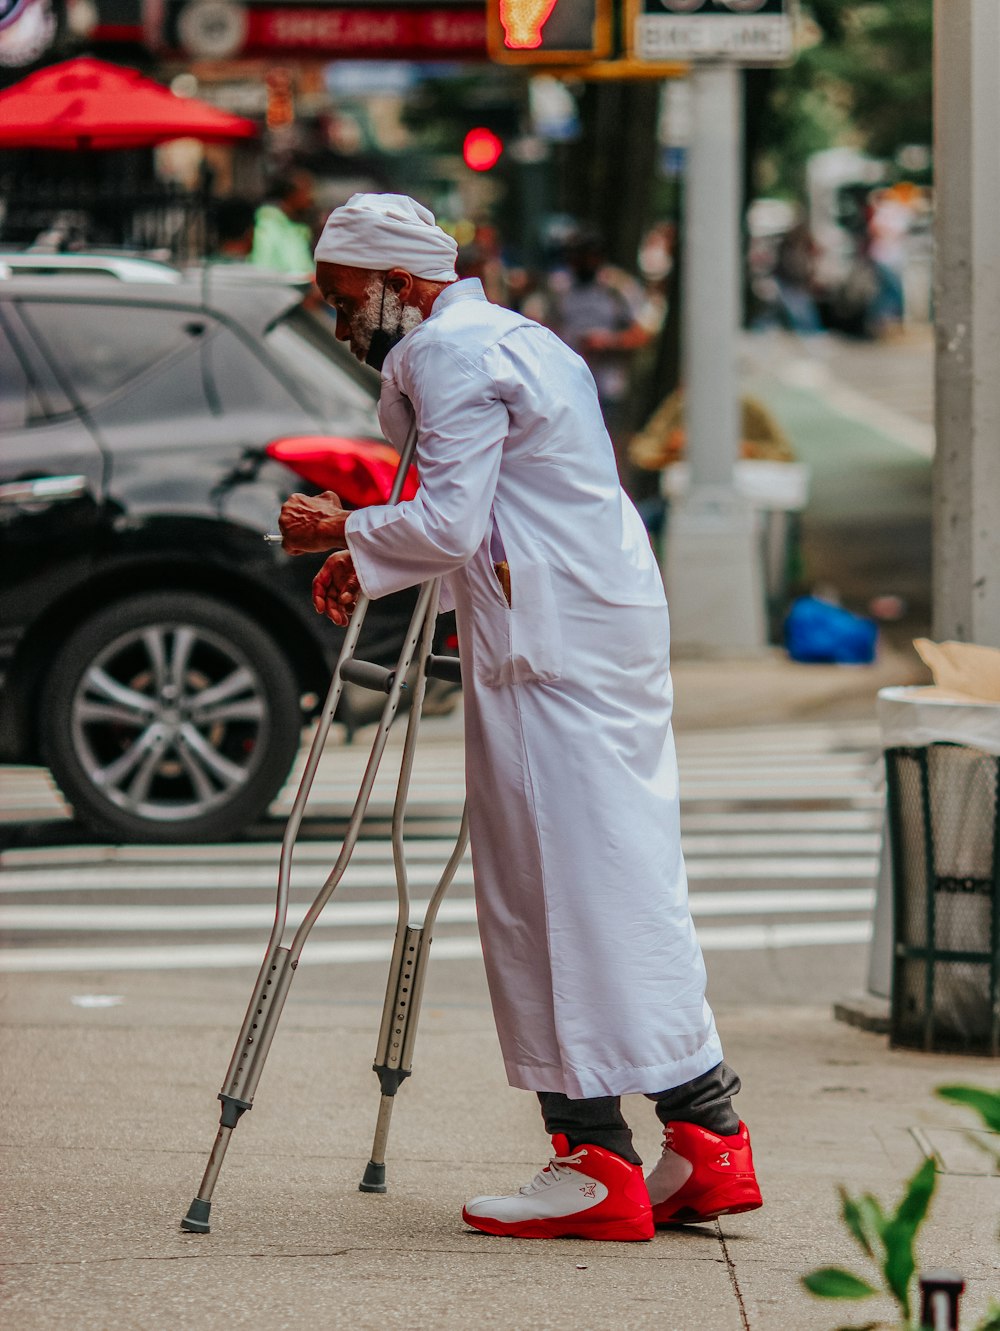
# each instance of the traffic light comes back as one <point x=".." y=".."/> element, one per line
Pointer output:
<point x="540" y="32"/>
<point x="481" y="149"/>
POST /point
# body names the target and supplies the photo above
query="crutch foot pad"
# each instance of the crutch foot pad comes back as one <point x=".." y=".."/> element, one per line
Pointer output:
<point x="374" y="1178"/>
<point x="196" y="1220"/>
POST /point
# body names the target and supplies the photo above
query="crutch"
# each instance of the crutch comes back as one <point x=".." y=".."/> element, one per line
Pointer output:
<point x="394" y="1053"/>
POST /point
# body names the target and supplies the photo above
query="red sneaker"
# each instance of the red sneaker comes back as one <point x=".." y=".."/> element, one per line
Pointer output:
<point x="701" y="1175"/>
<point x="589" y="1193"/>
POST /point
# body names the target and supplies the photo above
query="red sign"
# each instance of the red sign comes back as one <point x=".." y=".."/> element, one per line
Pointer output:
<point x="386" y="34"/>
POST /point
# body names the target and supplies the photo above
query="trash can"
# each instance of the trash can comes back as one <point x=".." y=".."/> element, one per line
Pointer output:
<point x="778" y="492"/>
<point x="943" y="803"/>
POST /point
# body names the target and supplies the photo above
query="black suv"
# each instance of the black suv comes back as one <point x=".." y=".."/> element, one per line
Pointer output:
<point x="155" y="653"/>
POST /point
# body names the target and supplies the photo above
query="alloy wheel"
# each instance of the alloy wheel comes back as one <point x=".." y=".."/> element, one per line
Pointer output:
<point x="169" y="721"/>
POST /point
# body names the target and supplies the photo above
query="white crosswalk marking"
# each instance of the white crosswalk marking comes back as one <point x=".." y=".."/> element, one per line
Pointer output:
<point x="781" y="833"/>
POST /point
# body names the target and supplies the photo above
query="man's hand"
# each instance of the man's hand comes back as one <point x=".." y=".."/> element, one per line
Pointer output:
<point x="312" y="525"/>
<point x="336" y="588"/>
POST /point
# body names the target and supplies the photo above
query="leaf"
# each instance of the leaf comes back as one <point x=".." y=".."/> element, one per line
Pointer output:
<point x="873" y="1217"/>
<point x="899" y="1263"/>
<point x="857" y="1221"/>
<point x="985" y="1103"/>
<point x="991" y="1322"/>
<point x="919" y="1190"/>
<point x="899" y="1233"/>
<point x="832" y="1282"/>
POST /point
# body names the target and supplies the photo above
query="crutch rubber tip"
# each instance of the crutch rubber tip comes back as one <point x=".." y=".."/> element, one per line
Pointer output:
<point x="196" y="1220"/>
<point x="374" y="1179"/>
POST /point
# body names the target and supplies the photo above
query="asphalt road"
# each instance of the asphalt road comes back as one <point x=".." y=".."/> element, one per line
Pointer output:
<point x="781" y="836"/>
<point x="860" y="415"/>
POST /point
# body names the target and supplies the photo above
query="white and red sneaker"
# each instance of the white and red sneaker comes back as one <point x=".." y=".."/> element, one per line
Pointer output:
<point x="701" y="1175"/>
<point x="588" y="1193"/>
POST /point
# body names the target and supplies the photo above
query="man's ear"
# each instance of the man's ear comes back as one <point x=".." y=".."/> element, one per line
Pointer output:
<point x="401" y="282"/>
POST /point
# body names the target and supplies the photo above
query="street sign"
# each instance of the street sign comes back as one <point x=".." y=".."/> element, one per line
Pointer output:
<point x="550" y="32"/>
<point x="749" y="32"/>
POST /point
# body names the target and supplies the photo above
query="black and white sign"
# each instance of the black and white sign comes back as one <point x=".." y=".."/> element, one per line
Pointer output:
<point x="752" y="32"/>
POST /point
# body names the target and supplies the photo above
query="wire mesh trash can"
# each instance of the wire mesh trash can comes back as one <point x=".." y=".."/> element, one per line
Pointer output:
<point x="943" y="786"/>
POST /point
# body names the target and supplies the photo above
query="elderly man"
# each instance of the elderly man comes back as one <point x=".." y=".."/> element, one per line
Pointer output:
<point x="595" y="973"/>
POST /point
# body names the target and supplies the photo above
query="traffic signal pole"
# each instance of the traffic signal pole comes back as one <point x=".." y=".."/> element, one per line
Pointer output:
<point x="967" y="315"/>
<point x="713" y="564"/>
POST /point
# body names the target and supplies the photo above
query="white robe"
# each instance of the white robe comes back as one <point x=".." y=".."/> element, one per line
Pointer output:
<point x="595" y="973"/>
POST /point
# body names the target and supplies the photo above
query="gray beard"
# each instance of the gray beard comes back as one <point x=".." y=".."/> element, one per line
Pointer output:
<point x="389" y="313"/>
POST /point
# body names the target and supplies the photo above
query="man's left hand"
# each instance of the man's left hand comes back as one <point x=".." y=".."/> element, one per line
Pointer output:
<point x="312" y="525"/>
<point x="336" y="588"/>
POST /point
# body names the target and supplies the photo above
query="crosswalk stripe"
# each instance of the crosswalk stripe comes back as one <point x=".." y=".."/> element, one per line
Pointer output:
<point x="208" y="956"/>
<point x="781" y="820"/>
<point x="805" y="867"/>
<point x="804" y="822"/>
<point x="354" y="914"/>
<point x="781" y="831"/>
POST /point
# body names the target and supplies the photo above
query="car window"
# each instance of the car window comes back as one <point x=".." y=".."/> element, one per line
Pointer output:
<point x="176" y="390"/>
<point x="243" y="382"/>
<point x="101" y="348"/>
<point x="13" y="387"/>
<point x="307" y="349"/>
<point x="28" y="393"/>
<point x="217" y="375"/>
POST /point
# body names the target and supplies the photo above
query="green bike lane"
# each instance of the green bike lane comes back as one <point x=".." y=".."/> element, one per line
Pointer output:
<point x="866" y="529"/>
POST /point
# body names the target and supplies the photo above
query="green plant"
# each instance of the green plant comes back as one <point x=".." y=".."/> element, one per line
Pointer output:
<point x="886" y="1239"/>
<point x="987" y="1105"/>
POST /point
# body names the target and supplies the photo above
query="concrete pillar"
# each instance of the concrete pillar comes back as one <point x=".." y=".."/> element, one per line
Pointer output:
<point x="713" y="559"/>
<point x="967" y="316"/>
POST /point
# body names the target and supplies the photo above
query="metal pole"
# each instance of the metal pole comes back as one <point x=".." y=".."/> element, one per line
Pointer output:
<point x="711" y="318"/>
<point x="967" y="315"/>
<point x="714" y="554"/>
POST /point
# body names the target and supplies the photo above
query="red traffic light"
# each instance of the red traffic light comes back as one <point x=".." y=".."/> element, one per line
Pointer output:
<point x="481" y="149"/>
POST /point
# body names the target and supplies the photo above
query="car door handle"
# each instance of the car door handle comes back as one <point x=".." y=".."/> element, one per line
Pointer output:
<point x="44" y="490"/>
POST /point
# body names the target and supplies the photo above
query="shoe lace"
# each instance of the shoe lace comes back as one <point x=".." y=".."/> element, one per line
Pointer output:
<point x="558" y="1168"/>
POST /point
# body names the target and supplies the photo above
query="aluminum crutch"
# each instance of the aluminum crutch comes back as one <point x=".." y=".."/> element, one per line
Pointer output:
<point x="410" y="946"/>
<point x="408" y="969"/>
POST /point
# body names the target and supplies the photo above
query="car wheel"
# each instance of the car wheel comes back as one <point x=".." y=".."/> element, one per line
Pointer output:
<point x="170" y="717"/>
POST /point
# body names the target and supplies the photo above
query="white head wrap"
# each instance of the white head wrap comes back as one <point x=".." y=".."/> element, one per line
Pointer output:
<point x="383" y="231"/>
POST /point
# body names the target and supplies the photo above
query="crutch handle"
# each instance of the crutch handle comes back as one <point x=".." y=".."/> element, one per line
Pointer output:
<point x="369" y="675"/>
<point x="445" y="667"/>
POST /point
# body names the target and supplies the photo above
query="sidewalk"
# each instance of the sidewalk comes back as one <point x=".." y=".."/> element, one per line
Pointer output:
<point x="109" y="1115"/>
<point x="772" y="689"/>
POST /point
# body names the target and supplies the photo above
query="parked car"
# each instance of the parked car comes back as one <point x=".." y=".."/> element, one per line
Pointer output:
<point x="155" y="653"/>
<point x="126" y="267"/>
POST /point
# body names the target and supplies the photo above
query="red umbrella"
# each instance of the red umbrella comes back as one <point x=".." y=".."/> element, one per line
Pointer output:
<point x="87" y="103"/>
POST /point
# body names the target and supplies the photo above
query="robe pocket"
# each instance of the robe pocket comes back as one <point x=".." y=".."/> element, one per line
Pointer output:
<point x="519" y="643"/>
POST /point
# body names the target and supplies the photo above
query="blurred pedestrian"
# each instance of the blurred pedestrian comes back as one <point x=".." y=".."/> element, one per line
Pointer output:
<point x="601" y="312"/>
<point x="595" y="972"/>
<point x="793" y="276"/>
<point x="283" y="238"/>
<point x="481" y="258"/>
<point x="889" y="219"/>
<point x="233" y="222"/>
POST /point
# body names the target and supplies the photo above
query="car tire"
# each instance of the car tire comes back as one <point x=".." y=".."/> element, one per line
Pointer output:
<point x="170" y="717"/>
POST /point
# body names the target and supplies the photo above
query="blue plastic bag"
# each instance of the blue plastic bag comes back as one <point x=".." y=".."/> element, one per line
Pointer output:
<point x="818" y="632"/>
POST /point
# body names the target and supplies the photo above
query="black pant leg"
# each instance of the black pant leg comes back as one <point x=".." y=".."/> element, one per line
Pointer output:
<point x="596" y="1121"/>
<point x="706" y="1101"/>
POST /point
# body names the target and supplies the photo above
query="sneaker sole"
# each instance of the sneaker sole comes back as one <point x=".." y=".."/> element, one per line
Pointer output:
<point x="615" y="1231"/>
<point x="687" y="1215"/>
